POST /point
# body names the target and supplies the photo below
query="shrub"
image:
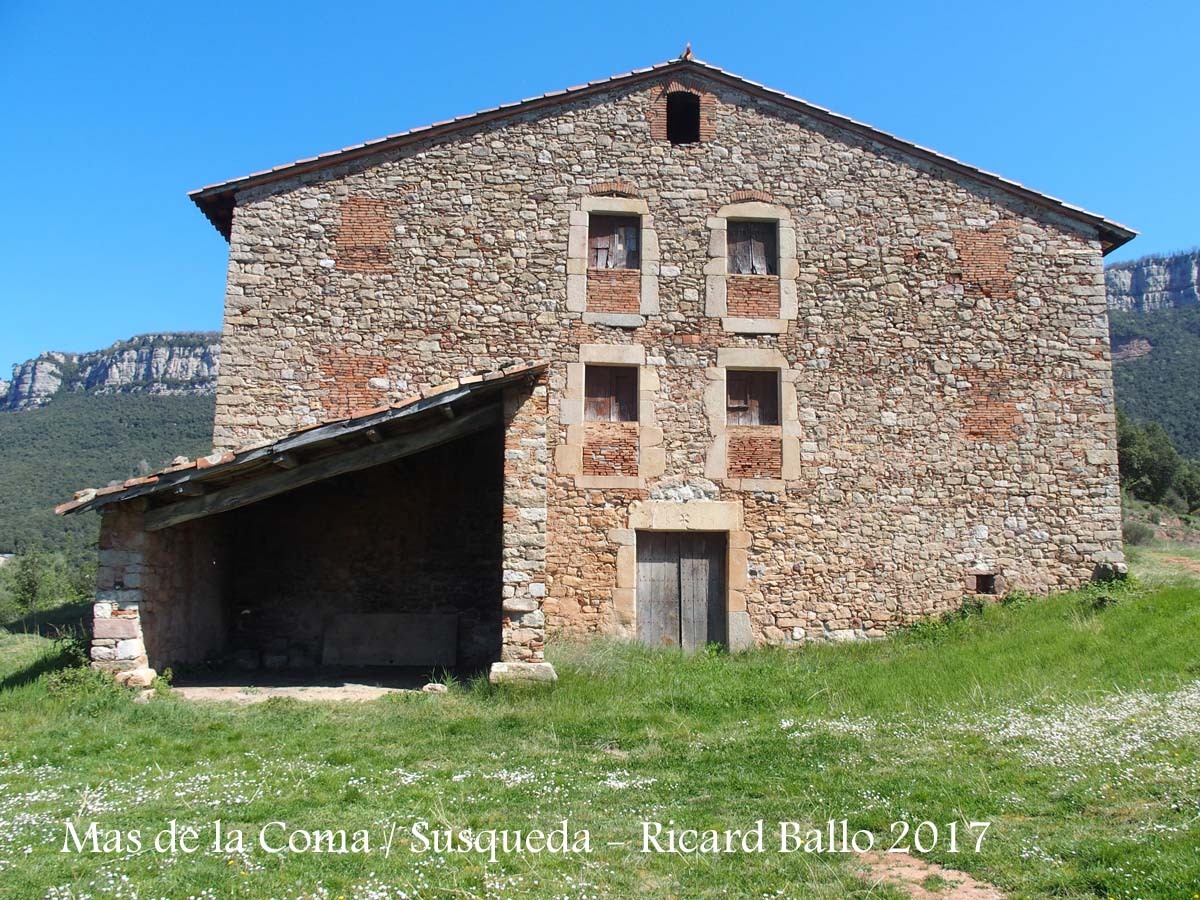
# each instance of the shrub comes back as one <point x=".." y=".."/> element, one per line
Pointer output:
<point x="82" y="681"/>
<point x="1137" y="533"/>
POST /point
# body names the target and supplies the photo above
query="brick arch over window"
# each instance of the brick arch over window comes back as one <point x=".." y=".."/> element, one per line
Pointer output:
<point x="618" y="187"/>
<point x="656" y="115"/>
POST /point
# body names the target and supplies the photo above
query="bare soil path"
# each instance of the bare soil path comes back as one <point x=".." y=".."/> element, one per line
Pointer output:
<point x="1184" y="562"/>
<point x="924" y="880"/>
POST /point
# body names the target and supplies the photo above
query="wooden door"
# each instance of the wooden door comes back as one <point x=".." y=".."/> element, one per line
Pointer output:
<point x="681" y="588"/>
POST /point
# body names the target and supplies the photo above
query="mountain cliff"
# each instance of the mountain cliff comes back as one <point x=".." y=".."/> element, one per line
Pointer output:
<point x="1154" y="329"/>
<point x="1154" y="282"/>
<point x="179" y="363"/>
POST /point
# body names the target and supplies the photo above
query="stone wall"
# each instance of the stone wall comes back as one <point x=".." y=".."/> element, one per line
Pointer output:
<point x="526" y="466"/>
<point x="159" y="594"/>
<point x="947" y="384"/>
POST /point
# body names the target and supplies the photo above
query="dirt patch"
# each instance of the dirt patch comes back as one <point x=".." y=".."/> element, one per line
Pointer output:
<point x="1131" y="349"/>
<point x="352" y="685"/>
<point x="250" y="694"/>
<point x="925" y="880"/>
<point x="1184" y="562"/>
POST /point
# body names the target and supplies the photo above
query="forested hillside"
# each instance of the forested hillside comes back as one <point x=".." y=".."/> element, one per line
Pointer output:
<point x="86" y="440"/>
<point x="1157" y="370"/>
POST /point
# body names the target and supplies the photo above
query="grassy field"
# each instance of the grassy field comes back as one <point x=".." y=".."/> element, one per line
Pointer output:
<point x="1072" y="725"/>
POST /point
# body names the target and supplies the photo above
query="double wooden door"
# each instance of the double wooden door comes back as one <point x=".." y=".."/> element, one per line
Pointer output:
<point x="681" y="598"/>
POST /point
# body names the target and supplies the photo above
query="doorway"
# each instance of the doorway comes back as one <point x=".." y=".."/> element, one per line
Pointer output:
<point x="681" y="596"/>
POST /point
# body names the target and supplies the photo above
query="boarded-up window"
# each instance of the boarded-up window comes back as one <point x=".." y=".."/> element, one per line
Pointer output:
<point x="611" y="393"/>
<point x="753" y="248"/>
<point x="752" y="398"/>
<point x="613" y="242"/>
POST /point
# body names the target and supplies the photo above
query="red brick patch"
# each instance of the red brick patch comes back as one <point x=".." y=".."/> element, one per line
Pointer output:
<point x="610" y="448"/>
<point x="618" y="187"/>
<point x="614" y="290"/>
<point x="364" y="238"/>
<point x="751" y="194"/>
<point x="752" y="296"/>
<point x="985" y="257"/>
<point x="755" y="452"/>
<point x="345" y="377"/>
<point x="992" y="414"/>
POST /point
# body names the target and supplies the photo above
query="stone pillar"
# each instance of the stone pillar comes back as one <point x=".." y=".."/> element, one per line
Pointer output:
<point x="117" y="644"/>
<point x="526" y="467"/>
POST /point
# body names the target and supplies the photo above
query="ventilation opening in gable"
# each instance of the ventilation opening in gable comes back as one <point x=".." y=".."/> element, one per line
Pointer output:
<point x="683" y="117"/>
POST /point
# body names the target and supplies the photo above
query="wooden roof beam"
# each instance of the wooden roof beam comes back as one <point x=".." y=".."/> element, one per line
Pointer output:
<point x="280" y="481"/>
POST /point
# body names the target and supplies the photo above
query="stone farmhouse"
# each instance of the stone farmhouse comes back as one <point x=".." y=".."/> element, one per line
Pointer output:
<point x="670" y="356"/>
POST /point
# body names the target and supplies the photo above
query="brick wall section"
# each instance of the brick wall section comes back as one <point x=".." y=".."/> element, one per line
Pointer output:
<point x="656" y="114"/>
<point x="610" y="448"/>
<point x="364" y="236"/>
<point x="614" y="290"/>
<point x="985" y="258"/>
<point x="992" y="414"/>
<point x="754" y="452"/>
<point x="884" y="517"/>
<point x="753" y="296"/>
<point x="346" y="380"/>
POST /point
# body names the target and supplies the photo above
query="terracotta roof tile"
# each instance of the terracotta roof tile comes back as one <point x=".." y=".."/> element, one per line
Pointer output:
<point x="216" y="459"/>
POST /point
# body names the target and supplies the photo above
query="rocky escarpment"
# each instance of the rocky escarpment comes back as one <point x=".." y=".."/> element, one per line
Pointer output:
<point x="1154" y="282"/>
<point x="168" y="363"/>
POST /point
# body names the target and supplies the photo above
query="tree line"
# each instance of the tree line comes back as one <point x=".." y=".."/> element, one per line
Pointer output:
<point x="1152" y="469"/>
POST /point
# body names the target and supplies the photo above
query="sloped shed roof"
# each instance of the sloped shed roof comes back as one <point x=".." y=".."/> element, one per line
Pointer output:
<point x="225" y="481"/>
<point x="217" y="201"/>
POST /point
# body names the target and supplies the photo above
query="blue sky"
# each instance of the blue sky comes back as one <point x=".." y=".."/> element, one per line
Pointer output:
<point x="113" y="111"/>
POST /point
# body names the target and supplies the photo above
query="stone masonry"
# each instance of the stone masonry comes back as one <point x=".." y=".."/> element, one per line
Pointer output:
<point x="946" y="404"/>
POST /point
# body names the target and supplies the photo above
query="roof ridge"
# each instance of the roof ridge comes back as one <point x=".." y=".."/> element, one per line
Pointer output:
<point x="217" y="200"/>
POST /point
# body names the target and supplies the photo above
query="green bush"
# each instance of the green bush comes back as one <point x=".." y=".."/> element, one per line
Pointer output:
<point x="82" y="681"/>
<point x="1137" y="533"/>
<point x="39" y="580"/>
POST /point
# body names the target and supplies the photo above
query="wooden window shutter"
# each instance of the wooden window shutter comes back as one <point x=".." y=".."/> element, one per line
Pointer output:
<point x="753" y="248"/>
<point x="610" y="394"/>
<point x="598" y="393"/>
<point x="739" y="248"/>
<point x="625" y="395"/>
<point x="613" y="242"/>
<point x="752" y="398"/>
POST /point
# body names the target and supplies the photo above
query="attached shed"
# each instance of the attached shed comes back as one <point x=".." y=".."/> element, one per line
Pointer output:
<point x="404" y="537"/>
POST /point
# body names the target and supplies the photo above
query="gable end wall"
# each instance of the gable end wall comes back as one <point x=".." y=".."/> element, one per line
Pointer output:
<point x="948" y="363"/>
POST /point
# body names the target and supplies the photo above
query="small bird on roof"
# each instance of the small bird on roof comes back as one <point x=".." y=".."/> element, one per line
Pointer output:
<point x="687" y="51"/>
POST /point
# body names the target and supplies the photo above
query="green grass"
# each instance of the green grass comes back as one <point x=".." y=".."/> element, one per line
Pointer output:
<point x="1071" y="724"/>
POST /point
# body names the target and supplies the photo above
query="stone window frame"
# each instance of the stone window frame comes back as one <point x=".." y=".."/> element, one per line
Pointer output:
<point x="568" y="456"/>
<point x="716" y="467"/>
<point x="696" y="515"/>
<point x="577" y="259"/>
<point x="716" y="271"/>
